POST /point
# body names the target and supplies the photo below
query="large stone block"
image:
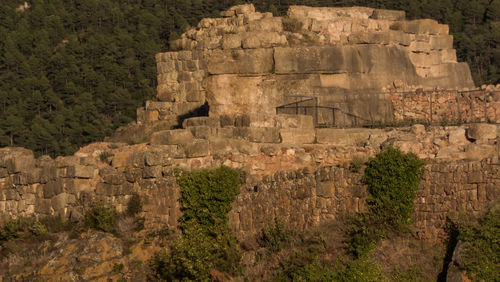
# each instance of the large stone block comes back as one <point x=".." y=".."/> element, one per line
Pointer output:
<point x="425" y="26"/>
<point x="248" y="61"/>
<point x="297" y="135"/>
<point x="80" y="171"/>
<point x="388" y="15"/>
<point x="232" y="94"/>
<point x="197" y="148"/>
<point x="263" y="40"/>
<point x="171" y="137"/>
<point x="481" y="131"/>
<point x="441" y="42"/>
<point x="199" y="121"/>
<point x="325" y="189"/>
<point x="20" y="163"/>
<point x="258" y="135"/>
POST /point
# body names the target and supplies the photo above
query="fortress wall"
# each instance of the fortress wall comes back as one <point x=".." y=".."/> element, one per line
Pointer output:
<point x="302" y="184"/>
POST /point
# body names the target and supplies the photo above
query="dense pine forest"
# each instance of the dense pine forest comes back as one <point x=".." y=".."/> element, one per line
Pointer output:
<point x="72" y="71"/>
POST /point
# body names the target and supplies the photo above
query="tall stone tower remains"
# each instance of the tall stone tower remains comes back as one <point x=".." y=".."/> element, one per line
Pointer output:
<point x="251" y="62"/>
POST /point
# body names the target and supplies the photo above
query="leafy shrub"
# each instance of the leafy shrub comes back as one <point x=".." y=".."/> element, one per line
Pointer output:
<point x="292" y="25"/>
<point x="134" y="205"/>
<point x="206" y="195"/>
<point x="309" y="268"/>
<point x="275" y="236"/>
<point x="10" y="230"/>
<point x="481" y="256"/>
<point x="206" y="242"/>
<point x="364" y="236"/>
<point x="361" y="270"/>
<point x="101" y="218"/>
<point x="104" y="156"/>
<point x="393" y="178"/>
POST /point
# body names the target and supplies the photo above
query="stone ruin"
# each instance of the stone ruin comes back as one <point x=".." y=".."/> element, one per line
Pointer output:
<point x="248" y="62"/>
<point x="216" y="105"/>
<point x="338" y="64"/>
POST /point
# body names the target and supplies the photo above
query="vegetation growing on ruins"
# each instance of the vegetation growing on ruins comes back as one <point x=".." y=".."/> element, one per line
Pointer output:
<point x="206" y="198"/>
<point x="392" y="178"/>
<point x="73" y="71"/>
<point x="481" y="249"/>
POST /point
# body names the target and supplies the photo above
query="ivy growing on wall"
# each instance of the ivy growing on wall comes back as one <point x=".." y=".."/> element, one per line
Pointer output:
<point x="206" y="242"/>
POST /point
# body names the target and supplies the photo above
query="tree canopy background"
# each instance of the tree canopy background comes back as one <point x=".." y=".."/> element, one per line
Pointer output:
<point x="72" y="71"/>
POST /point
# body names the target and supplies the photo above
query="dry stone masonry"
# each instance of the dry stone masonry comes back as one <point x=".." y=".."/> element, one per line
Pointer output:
<point x="246" y="61"/>
<point x="216" y="105"/>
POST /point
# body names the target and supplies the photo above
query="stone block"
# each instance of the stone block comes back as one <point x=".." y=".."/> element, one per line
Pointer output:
<point x="457" y="137"/>
<point x="233" y="94"/>
<point x="297" y="135"/>
<point x="325" y="189"/>
<point x="481" y="131"/>
<point x="195" y="96"/>
<point x="80" y="171"/>
<point x="225" y="132"/>
<point x="258" y="135"/>
<point x="152" y="172"/>
<point x="3" y="172"/>
<point x="476" y="152"/>
<point x="388" y="15"/>
<point x="425" y="26"/>
<point x="231" y="41"/>
<point x="201" y="121"/>
<point x="52" y="188"/>
<point x="203" y="132"/>
<point x="420" y="47"/>
<point x="196" y="148"/>
<point x="60" y="201"/>
<point x="248" y="61"/>
<point x="441" y="42"/>
<point x="22" y="163"/>
<point x="273" y="24"/>
<point x="263" y="40"/>
<point x="171" y="137"/>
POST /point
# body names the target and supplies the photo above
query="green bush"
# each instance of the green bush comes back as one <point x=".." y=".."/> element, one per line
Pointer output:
<point x="206" y="195"/>
<point x="134" y="205"/>
<point x="481" y="244"/>
<point x="11" y="229"/>
<point x="206" y="242"/>
<point x="393" y="178"/>
<point x="307" y="267"/>
<point x="361" y="270"/>
<point x="101" y="218"/>
<point x="275" y="236"/>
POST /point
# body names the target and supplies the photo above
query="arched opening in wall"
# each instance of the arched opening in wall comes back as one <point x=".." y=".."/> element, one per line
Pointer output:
<point x="201" y="111"/>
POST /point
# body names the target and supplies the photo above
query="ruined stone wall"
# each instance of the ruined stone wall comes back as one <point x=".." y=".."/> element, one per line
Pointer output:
<point x="247" y="62"/>
<point x="448" y="106"/>
<point x="302" y="183"/>
<point x="306" y="198"/>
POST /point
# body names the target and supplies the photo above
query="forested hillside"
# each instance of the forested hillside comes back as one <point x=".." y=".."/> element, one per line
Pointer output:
<point x="71" y="71"/>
